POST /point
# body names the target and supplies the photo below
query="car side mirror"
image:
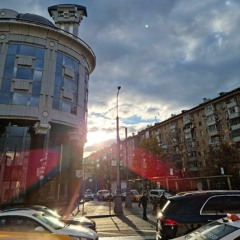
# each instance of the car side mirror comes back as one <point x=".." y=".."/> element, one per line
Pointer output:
<point x="39" y="229"/>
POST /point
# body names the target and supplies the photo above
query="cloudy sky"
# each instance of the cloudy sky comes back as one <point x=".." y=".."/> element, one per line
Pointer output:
<point x="167" y="55"/>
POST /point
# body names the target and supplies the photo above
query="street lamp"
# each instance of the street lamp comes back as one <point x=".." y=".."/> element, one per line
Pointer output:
<point x="118" y="198"/>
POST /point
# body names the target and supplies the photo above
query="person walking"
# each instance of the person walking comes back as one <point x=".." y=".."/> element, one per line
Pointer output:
<point x="155" y="203"/>
<point x="162" y="200"/>
<point x="144" y="202"/>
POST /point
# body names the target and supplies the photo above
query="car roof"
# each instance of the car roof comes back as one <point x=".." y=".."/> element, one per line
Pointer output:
<point x="33" y="235"/>
<point x="22" y="212"/>
<point x="207" y="192"/>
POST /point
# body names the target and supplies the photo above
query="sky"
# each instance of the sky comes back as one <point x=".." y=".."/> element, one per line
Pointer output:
<point x="167" y="55"/>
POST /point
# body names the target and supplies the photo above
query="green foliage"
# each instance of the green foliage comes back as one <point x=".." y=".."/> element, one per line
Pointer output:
<point x="226" y="156"/>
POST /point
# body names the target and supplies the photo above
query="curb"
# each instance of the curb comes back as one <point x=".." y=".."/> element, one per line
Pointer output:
<point x="101" y="216"/>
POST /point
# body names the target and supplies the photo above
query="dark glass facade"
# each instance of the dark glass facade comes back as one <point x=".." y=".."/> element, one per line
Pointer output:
<point x="26" y="70"/>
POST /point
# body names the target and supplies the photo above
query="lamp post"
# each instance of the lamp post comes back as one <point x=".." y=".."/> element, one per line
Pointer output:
<point x="118" y="198"/>
<point x="128" y="203"/>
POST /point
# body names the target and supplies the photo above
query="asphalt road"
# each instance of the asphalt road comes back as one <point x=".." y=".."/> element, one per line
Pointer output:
<point x="129" y="225"/>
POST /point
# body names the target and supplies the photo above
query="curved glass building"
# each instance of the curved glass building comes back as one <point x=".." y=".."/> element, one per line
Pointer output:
<point x="44" y="74"/>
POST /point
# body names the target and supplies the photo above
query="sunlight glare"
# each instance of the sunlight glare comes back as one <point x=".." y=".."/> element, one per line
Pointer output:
<point x="98" y="137"/>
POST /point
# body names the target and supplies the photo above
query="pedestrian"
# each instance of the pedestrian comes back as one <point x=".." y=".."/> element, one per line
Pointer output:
<point x="144" y="201"/>
<point x="162" y="200"/>
<point x="155" y="205"/>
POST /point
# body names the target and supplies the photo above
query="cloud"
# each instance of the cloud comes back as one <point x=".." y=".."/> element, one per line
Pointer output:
<point x="189" y="51"/>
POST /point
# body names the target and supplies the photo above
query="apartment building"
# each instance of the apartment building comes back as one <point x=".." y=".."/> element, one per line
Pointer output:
<point x="44" y="74"/>
<point x="185" y="139"/>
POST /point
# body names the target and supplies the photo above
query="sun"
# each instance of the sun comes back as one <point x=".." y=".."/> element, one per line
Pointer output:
<point x="98" y="137"/>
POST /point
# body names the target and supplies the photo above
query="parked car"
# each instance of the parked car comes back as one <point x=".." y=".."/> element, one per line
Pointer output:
<point x="88" y="195"/>
<point x="134" y="195"/>
<point x="82" y="221"/>
<point x="186" y="212"/>
<point x="156" y="194"/>
<point x="37" y="221"/>
<point x="223" y="229"/>
<point x="11" y="235"/>
<point x="104" y="195"/>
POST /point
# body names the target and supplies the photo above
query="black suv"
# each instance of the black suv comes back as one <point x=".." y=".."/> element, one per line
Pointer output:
<point x="187" y="211"/>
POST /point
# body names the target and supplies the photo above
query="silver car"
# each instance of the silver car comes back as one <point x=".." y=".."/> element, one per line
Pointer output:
<point x="37" y="221"/>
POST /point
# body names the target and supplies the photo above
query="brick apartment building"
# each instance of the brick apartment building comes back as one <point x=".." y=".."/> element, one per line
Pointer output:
<point x="186" y="139"/>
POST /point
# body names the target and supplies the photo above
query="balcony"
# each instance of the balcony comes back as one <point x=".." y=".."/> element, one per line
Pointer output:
<point x="173" y="126"/>
<point x="235" y="127"/>
<point x="213" y="133"/>
<point x="234" y="115"/>
<point x="232" y="104"/>
<point x="211" y="122"/>
<point x="193" y="169"/>
<point x="236" y="139"/>
<point x="209" y="110"/>
<point x="188" y="130"/>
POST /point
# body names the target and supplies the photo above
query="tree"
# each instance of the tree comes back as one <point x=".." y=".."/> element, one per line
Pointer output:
<point x="226" y="156"/>
<point x="154" y="156"/>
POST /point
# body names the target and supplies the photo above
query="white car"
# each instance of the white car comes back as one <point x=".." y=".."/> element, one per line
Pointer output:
<point x="223" y="229"/>
<point x="37" y="221"/>
<point x="104" y="195"/>
<point x="88" y="195"/>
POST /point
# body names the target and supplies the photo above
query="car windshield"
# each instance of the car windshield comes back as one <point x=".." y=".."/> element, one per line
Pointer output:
<point x="50" y="212"/>
<point x="50" y="221"/>
<point x="214" y="230"/>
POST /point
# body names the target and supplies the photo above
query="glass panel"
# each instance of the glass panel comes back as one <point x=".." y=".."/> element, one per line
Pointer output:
<point x="66" y="106"/>
<point x="20" y="98"/>
<point x="24" y="73"/>
<point x="6" y="85"/>
<point x="37" y="76"/>
<point x="34" y="100"/>
<point x="36" y="88"/>
<point x="59" y="69"/>
<point x="39" y="53"/>
<point x="59" y="58"/>
<point x="58" y="81"/>
<point x="8" y="72"/>
<point x="26" y="50"/>
<point x="10" y="60"/>
<point x="56" y="103"/>
<point x="57" y="92"/>
<point x="39" y="64"/>
<point x="5" y="98"/>
<point x="69" y="84"/>
<point x="12" y="49"/>
<point x="68" y="62"/>
<point x="14" y="72"/>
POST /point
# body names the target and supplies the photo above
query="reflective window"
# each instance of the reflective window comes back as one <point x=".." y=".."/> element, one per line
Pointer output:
<point x="5" y="98"/>
<point x="12" y="49"/>
<point x="34" y="100"/>
<point x="36" y="88"/>
<point x="66" y="77"/>
<point x="8" y="72"/>
<point x="10" y="61"/>
<point x="30" y="72"/>
<point x="24" y="73"/>
<point x="39" y="63"/>
<point x="26" y="50"/>
<point x="6" y="85"/>
<point x="37" y="76"/>
<point x="66" y="106"/>
<point x="19" y="98"/>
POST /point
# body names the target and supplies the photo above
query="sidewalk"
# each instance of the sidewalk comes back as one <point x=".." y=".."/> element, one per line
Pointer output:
<point x="130" y="223"/>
